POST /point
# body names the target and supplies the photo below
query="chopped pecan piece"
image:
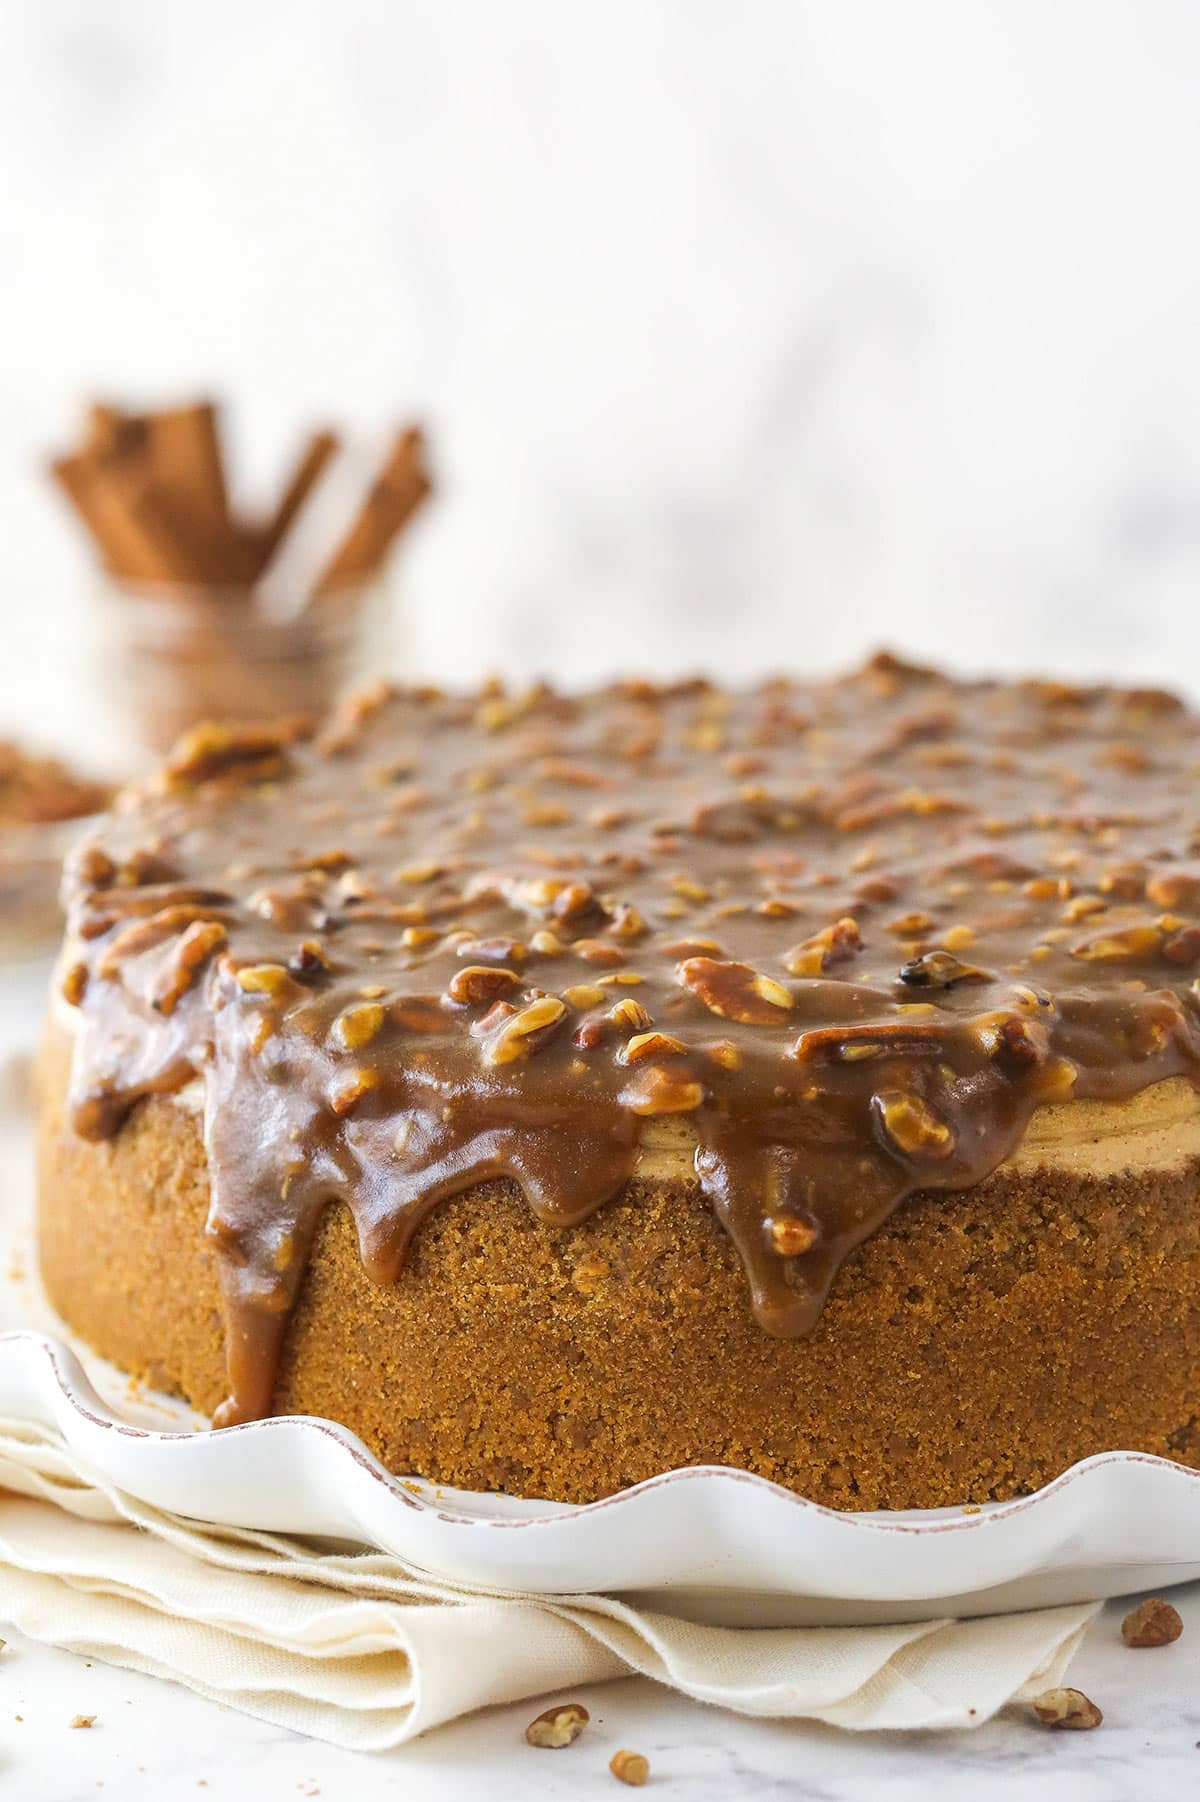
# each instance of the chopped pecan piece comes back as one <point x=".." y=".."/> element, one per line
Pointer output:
<point x="630" y="1015"/>
<point x="1127" y="945"/>
<point x="911" y="925"/>
<point x="358" y="1085"/>
<point x="196" y="946"/>
<point x="657" y="1091"/>
<point x="1082" y="907"/>
<point x="877" y="890"/>
<point x="74" y="984"/>
<point x="1174" y="888"/>
<point x="558" y="1726"/>
<point x="1126" y="881"/>
<point x="308" y="959"/>
<point x="989" y="866"/>
<point x="357" y="1026"/>
<point x="413" y="938"/>
<point x="331" y="861"/>
<point x="262" y="979"/>
<point x="731" y="822"/>
<point x="626" y="922"/>
<point x="479" y="983"/>
<point x="576" y="775"/>
<point x="692" y="947"/>
<point x="1184" y="947"/>
<point x="735" y="991"/>
<point x="1066" y="1708"/>
<point x="939" y="970"/>
<point x="1153" y="1623"/>
<point x="526" y="1031"/>
<point x="91" y="867"/>
<point x="1017" y="1043"/>
<point x="259" y="753"/>
<point x="790" y="1235"/>
<point x="629" y="1767"/>
<point x="650" y="1044"/>
<point x="912" y="1126"/>
<point x="897" y="1038"/>
<point x="583" y="995"/>
<point x="1047" y="888"/>
<point x="494" y="951"/>
<point x="595" y="951"/>
<point x="419" y="872"/>
<point x="832" y="945"/>
<point x="573" y="901"/>
<point x="689" y="889"/>
<point x="144" y="935"/>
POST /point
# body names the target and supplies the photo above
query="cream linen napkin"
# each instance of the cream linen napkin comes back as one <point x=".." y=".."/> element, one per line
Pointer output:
<point x="365" y="1652"/>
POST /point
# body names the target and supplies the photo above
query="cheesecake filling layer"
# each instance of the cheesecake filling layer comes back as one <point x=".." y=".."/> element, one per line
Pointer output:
<point x="837" y="942"/>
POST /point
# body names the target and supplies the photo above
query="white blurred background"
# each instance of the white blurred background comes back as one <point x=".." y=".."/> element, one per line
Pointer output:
<point x="747" y="334"/>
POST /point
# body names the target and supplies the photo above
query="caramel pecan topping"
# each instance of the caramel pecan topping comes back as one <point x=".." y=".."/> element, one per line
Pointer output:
<point x="984" y="898"/>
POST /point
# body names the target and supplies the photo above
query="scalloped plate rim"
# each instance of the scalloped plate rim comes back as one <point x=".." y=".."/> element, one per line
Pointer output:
<point x="78" y="1391"/>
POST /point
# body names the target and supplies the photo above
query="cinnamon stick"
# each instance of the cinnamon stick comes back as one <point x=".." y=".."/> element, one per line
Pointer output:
<point x="177" y="453"/>
<point x="402" y="484"/>
<point x="130" y="522"/>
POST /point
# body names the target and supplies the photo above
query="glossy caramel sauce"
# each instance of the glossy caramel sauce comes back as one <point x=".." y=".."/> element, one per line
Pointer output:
<point x="854" y="931"/>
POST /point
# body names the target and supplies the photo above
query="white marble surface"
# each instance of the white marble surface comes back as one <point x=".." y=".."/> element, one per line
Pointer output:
<point x="157" y="1741"/>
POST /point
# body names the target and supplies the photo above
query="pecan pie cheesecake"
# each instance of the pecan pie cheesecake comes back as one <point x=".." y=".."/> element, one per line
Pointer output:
<point x="557" y="1090"/>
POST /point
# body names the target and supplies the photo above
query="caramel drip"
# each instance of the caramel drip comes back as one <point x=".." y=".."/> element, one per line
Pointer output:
<point x="852" y="933"/>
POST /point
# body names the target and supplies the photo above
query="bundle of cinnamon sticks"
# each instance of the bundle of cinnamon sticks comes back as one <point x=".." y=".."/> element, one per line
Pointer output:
<point x="153" y="490"/>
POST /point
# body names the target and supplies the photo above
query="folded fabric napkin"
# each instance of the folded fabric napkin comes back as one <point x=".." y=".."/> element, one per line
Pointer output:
<point x="362" y="1650"/>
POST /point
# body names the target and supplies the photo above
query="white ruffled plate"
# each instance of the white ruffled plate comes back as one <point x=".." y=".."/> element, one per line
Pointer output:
<point x="714" y="1542"/>
<point x="717" y="1543"/>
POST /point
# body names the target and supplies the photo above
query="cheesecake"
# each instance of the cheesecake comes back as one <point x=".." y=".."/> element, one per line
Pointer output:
<point x="559" y="1089"/>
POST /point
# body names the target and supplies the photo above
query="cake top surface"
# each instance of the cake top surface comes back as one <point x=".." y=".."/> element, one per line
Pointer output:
<point x="854" y="932"/>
